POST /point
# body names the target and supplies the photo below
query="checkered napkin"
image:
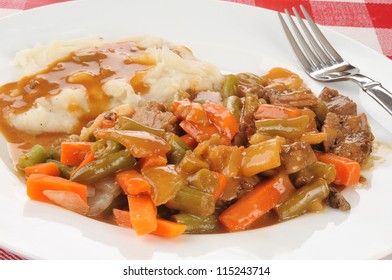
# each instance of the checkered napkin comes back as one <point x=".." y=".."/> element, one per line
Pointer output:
<point x="367" y="21"/>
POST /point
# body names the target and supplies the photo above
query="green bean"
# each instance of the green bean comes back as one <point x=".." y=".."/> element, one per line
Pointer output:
<point x="103" y="147"/>
<point x="196" y="224"/>
<point x="289" y="128"/>
<point x="193" y="202"/>
<point x="103" y="167"/>
<point x="234" y="105"/>
<point x="229" y="87"/>
<point x="37" y="154"/>
<point x="251" y="104"/>
<point x="204" y="180"/>
<point x="126" y="123"/>
<point x="65" y="171"/>
<point x="55" y="152"/>
<point x="303" y="199"/>
<point x="316" y="170"/>
<point x="178" y="148"/>
<point x="192" y="163"/>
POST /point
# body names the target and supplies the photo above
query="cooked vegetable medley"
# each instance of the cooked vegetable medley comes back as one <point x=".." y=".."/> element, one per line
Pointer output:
<point x="208" y="161"/>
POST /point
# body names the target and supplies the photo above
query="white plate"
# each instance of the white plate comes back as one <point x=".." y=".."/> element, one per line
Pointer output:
<point x="235" y="38"/>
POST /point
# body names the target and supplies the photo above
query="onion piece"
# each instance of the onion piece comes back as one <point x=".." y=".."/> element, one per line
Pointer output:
<point x="68" y="200"/>
<point x="106" y="191"/>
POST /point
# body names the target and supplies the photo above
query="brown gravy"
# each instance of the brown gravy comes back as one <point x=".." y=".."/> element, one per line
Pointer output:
<point x="87" y="69"/>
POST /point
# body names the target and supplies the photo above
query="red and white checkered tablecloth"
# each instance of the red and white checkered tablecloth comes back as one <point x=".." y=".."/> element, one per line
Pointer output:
<point x="367" y="21"/>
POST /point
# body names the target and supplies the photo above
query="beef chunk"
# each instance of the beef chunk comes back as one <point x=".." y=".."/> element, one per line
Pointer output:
<point x="337" y="201"/>
<point x="236" y="187"/>
<point x="230" y="192"/>
<point x="336" y="103"/>
<point x="351" y="137"/>
<point x="250" y="84"/>
<point x="348" y="134"/>
<point x="154" y="114"/>
<point x="246" y="128"/>
<point x="298" y="98"/>
<point x="355" y="139"/>
<point x="296" y="156"/>
<point x="331" y="127"/>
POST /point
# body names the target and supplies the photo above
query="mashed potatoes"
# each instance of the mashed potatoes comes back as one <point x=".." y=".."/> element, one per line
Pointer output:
<point x="65" y="82"/>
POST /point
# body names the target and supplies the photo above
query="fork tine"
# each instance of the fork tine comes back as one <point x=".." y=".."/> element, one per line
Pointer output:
<point x="305" y="62"/>
<point x="300" y="55"/>
<point x="318" y="51"/>
<point x="309" y="53"/>
<point x="320" y="36"/>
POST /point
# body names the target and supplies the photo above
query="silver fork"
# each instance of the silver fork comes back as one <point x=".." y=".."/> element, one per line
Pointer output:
<point x="321" y="61"/>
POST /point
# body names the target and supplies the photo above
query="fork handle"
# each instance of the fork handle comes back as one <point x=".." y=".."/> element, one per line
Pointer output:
<point x="375" y="90"/>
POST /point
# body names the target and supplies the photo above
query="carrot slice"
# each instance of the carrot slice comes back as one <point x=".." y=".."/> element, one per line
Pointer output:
<point x="347" y="170"/>
<point x="269" y="111"/>
<point x="169" y="229"/>
<point x="164" y="228"/>
<point x="132" y="182"/>
<point x="222" y="185"/>
<point x="222" y="118"/>
<point x="190" y="111"/>
<point x="200" y="132"/>
<point x="73" y="153"/>
<point x="253" y="205"/>
<point x="189" y="140"/>
<point x="37" y="183"/>
<point x="153" y="160"/>
<point x="88" y="158"/>
<point x="143" y="214"/>
<point x="48" y="168"/>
